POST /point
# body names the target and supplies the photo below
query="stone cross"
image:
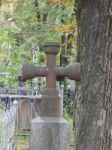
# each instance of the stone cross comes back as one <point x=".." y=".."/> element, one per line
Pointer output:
<point x="50" y="103"/>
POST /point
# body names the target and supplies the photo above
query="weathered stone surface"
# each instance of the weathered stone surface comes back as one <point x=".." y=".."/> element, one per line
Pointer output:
<point x="49" y="133"/>
<point x="50" y="103"/>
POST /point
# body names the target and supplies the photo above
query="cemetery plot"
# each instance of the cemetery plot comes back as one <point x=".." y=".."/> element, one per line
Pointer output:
<point x="16" y="113"/>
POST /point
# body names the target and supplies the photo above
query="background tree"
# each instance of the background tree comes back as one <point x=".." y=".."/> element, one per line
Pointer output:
<point x="93" y="113"/>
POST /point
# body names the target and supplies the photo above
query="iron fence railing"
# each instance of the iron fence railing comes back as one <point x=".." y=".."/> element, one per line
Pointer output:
<point x="17" y="109"/>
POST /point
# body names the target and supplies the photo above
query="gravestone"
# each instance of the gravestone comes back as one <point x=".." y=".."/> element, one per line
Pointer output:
<point x="50" y="131"/>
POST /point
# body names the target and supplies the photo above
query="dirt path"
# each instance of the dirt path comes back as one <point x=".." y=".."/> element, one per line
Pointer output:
<point x="71" y="148"/>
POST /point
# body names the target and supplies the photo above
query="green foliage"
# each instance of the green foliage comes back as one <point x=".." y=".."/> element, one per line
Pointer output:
<point x="41" y="58"/>
<point x="21" y="29"/>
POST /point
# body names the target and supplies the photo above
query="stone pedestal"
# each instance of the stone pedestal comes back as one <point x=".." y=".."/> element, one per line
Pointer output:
<point x="49" y="133"/>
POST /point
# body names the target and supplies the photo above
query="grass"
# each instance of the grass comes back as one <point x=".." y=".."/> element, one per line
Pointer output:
<point x="69" y="118"/>
<point x="21" y="139"/>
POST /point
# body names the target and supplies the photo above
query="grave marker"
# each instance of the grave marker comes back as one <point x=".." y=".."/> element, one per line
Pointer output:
<point x="50" y="131"/>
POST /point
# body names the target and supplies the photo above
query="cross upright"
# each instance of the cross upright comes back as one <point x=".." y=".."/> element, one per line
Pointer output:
<point x="50" y="102"/>
<point x="51" y="49"/>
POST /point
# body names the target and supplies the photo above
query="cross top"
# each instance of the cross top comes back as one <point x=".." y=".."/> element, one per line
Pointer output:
<point x="51" y="72"/>
<point x="51" y="49"/>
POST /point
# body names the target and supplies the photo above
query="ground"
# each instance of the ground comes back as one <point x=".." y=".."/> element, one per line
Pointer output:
<point x="71" y="148"/>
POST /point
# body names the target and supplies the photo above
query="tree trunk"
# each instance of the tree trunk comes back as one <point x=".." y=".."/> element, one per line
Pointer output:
<point x="93" y="112"/>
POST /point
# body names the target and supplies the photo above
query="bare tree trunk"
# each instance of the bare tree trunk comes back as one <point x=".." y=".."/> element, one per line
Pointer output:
<point x="93" y="112"/>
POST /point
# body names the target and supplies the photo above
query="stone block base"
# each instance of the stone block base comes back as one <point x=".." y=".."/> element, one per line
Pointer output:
<point x="49" y="133"/>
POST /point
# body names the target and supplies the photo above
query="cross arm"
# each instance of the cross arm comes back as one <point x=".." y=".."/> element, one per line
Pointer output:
<point x="72" y="71"/>
<point x="30" y="71"/>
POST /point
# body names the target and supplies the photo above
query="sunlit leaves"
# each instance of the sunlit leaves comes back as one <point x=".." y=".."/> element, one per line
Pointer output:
<point x="66" y="27"/>
<point x="59" y="1"/>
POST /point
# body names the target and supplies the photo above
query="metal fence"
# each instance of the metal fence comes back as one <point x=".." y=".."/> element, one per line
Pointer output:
<point x="17" y="109"/>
